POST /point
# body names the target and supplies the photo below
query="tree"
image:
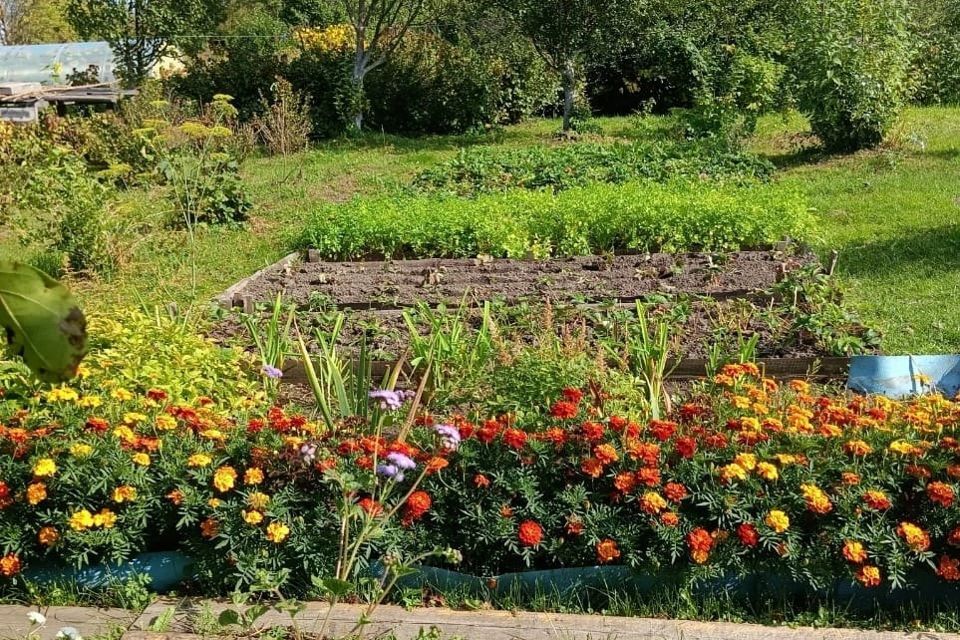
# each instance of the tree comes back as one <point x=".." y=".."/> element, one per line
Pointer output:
<point x="141" y="32"/>
<point x="378" y="29"/>
<point x="562" y="31"/>
<point x="33" y="22"/>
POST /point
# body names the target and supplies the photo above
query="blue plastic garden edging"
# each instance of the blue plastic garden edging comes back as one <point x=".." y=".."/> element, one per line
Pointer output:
<point x="902" y="376"/>
<point x="166" y="570"/>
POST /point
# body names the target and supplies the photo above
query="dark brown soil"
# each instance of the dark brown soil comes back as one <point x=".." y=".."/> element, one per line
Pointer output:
<point x="405" y="283"/>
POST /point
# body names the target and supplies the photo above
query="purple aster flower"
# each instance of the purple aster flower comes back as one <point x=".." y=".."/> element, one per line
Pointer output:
<point x="389" y="400"/>
<point x="308" y="452"/>
<point x="271" y="371"/>
<point x="449" y="436"/>
<point x="390" y="471"/>
<point x="401" y="461"/>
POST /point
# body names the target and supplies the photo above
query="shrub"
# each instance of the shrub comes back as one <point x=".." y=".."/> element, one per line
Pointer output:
<point x="937" y="26"/>
<point x="283" y="125"/>
<point x="851" y="64"/>
<point x="489" y="169"/>
<point x="678" y="216"/>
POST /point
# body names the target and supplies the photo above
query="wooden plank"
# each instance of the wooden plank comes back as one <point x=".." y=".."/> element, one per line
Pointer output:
<point x="231" y="297"/>
<point x="88" y="621"/>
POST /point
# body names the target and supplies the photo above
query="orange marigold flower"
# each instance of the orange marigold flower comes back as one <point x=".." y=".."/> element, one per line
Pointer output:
<point x="849" y="478"/>
<point x="605" y="453"/>
<point x="224" y="478"/>
<point x="36" y="492"/>
<point x="876" y="499"/>
<point x="592" y="467"/>
<point x="799" y="386"/>
<point x="555" y="435"/>
<point x="854" y="552"/>
<point x="515" y="438"/>
<point x="646" y="452"/>
<point x="648" y="476"/>
<point x="816" y="499"/>
<point x="652" y="502"/>
<point x="607" y="551"/>
<point x="436" y="463"/>
<point x="675" y="492"/>
<point x="953" y="539"/>
<point x="481" y="481"/>
<point x="530" y="533"/>
<point x="564" y="410"/>
<point x="253" y="476"/>
<point x="124" y="493"/>
<point x="574" y="526"/>
<point x="700" y="543"/>
<point x="625" y="482"/>
<point x="768" y="471"/>
<point x="915" y="537"/>
<point x="506" y="511"/>
<point x="10" y="565"/>
<point x="949" y="568"/>
<point x="669" y="518"/>
<point x="591" y="431"/>
<point x="940" y="493"/>
<point x="572" y="395"/>
<point x="48" y="536"/>
<point x="868" y="576"/>
<point x="176" y="497"/>
<point x="857" y="448"/>
<point x="417" y="505"/>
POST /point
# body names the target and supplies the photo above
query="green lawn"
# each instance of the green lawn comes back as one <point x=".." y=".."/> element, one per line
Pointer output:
<point x="891" y="213"/>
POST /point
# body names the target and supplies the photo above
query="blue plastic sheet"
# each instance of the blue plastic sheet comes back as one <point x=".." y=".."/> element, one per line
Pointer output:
<point x="166" y="570"/>
<point x="904" y="376"/>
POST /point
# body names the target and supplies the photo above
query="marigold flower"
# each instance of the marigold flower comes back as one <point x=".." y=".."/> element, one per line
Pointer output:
<point x="876" y="499"/>
<point x="165" y="422"/>
<point x="44" y="468"/>
<point x="514" y="438"/>
<point x="530" y="533"/>
<point x="607" y="551"/>
<point x="81" y="450"/>
<point x="768" y="471"/>
<point x="209" y="528"/>
<point x="252" y="517"/>
<point x="777" y="520"/>
<point x="748" y="534"/>
<point x="949" y="568"/>
<point x="700" y="543"/>
<point x="746" y="460"/>
<point x="176" y="497"/>
<point x="48" y="536"/>
<point x="624" y="482"/>
<point x="417" y="505"/>
<point x="816" y="499"/>
<point x="81" y="520"/>
<point x="854" y="552"/>
<point x="605" y="453"/>
<point x="648" y="476"/>
<point x="857" y="448"/>
<point x="574" y="526"/>
<point x="481" y="481"/>
<point x="646" y="452"/>
<point x="36" y="493"/>
<point x="572" y="395"/>
<point x="10" y="565"/>
<point x="674" y="491"/>
<point x="662" y="430"/>
<point x="277" y="532"/>
<point x="850" y="479"/>
<point x="213" y="503"/>
<point x="686" y="446"/>
<point x="436" y="463"/>
<point x="915" y="537"/>
<point x="104" y="518"/>
<point x="868" y="576"/>
<point x="799" y="386"/>
<point x="592" y="431"/>
<point x="224" y="478"/>
<point x="141" y="459"/>
<point x="124" y="493"/>
<point x="732" y="472"/>
<point x="652" y="502"/>
<point x="669" y="519"/>
<point x="370" y="506"/>
<point x="253" y="475"/>
<point x="940" y="493"/>
<point x="592" y="467"/>
<point x="564" y="410"/>
<point x="953" y="539"/>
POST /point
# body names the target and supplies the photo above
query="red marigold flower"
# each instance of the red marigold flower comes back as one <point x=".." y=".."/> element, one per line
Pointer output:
<point x="690" y="411"/>
<point x="662" y="430"/>
<point x="649" y="476"/>
<point x="417" y="505"/>
<point x="646" y="452"/>
<point x="607" y="551"/>
<point x="555" y="435"/>
<point x="685" y="446"/>
<point x="675" y="491"/>
<point x="564" y="410"/>
<point x="918" y="471"/>
<point x="949" y="568"/>
<point x="868" y="576"/>
<point x="592" y="467"/>
<point x="572" y="395"/>
<point x="700" y="543"/>
<point x="515" y="438"/>
<point x="877" y="500"/>
<point x="488" y="431"/>
<point x="605" y="453"/>
<point x="625" y="482"/>
<point x="481" y="481"/>
<point x="617" y="423"/>
<point x="364" y="462"/>
<point x="530" y="533"/>
<point x="954" y="538"/>
<point x="10" y="565"/>
<point x="748" y="534"/>
<point x="370" y="506"/>
<point x="158" y="395"/>
<point x="669" y="518"/>
<point x="592" y="431"/>
<point x="97" y="425"/>
<point x="574" y="526"/>
<point x="347" y="447"/>
<point x="940" y="493"/>
<point x="717" y="441"/>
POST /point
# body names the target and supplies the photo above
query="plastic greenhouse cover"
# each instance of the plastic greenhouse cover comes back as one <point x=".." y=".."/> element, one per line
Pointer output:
<point x="51" y="63"/>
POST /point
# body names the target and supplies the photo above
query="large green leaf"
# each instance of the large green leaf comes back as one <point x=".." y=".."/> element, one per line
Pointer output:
<point x="43" y="323"/>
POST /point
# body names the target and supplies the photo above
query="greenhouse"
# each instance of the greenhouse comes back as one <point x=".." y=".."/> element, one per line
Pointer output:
<point x="52" y="63"/>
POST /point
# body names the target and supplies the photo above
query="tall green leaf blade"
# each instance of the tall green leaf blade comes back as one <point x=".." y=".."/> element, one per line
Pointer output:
<point x="43" y="322"/>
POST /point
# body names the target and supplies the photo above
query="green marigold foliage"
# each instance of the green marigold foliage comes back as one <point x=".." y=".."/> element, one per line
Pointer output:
<point x="638" y="216"/>
<point x="851" y="63"/>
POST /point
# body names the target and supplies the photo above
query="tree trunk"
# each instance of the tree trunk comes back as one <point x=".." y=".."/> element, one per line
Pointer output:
<point x="360" y="60"/>
<point x="569" y="80"/>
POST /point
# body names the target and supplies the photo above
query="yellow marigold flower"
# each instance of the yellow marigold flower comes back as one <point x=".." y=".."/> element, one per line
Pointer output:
<point x="741" y="402"/>
<point x="89" y="402"/>
<point x="252" y="517"/>
<point x="277" y="532"/>
<point x="81" y="450"/>
<point x="44" y="468"/>
<point x="750" y="424"/>
<point x="141" y="459"/>
<point x="817" y="501"/>
<point x="105" y="518"/>
<point x="83" y="371"/>
<point x="902" y="447"/>
<point x="131" y="418"/>
<point x="124" y="493"/>
<point x="799" y="386"/>
<point x="224" y="478"/>
<point x="125" y="434"/>
<point x="81" y="520"/>
<point x="760" y="409"/>
<point x="199" y="460"/>
<point x="830" y="431"/>
<point x="36" y="492"/>
<point x="213" y="434"/>
<point x="767" y="471"/>
<point x="746" y="460"/>
<point x="293" y="442"/>
<point x="48" y="536"/>
<point x="252" y="475"/>
<point x="786" y="459"/>
<point x="121" y="394"/>
<point x="165" y="422"/>
<point x="652" y="502"/>
<point x="62" y="394"/>
<point x="732" y="472"/>
<point x="857" y="448"/>
<point x="213" y="503"/>
<point x="777" y="520"/>
<point x="258" y="500"/>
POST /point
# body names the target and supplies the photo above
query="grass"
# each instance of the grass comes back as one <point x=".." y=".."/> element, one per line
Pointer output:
<point x="891" y="213"/>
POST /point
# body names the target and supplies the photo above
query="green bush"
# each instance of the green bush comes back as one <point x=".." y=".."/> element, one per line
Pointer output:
<point x="937" y="24"/>
<point x="640" y="216"/>
<point x="852" y="61"/>
<point x="490" y="169"/>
